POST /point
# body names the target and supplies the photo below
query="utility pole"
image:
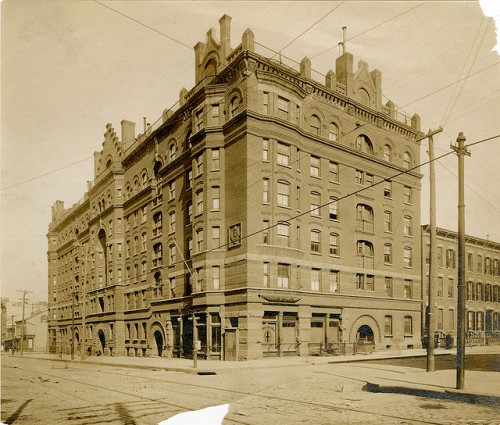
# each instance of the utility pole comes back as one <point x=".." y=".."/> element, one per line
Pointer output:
<point x="83" y="347"/>
<point x="461" y="151"/>
<point x="23" y="325"/>
<point x="431" y="318"/>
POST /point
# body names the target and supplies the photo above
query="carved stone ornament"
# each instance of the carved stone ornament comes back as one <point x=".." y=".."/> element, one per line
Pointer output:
<point x="280" y="298"/>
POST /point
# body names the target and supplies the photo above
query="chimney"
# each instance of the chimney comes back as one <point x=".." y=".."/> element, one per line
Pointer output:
<point x="343" y="68"/>
<point x="225" y="38"/>
<point x="248" y="40"/>
<point x="330" y="80"/>
<point x="128" y="132"/>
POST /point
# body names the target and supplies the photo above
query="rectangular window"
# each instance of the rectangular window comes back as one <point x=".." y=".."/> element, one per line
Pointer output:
<point x="315" y="204"/>
<point x="265" y="149"/>
<point x="199" y="202"/>
<point x="216" y="236"/>
<point x="440" y="287"/>
<point x="408" y="257"/>
<point x="439" y="257"/>
<point x="283" y="275"/>
<point x="407" y="226"/>
<point x="215" y="159"/>
<point x="315" y="166"/>
<point x="283" y="154"/>
<point x="451" y="317"/>
<point x="387" y="253"/>
<point x="408" y="289"/>
<point x="283" y="232"/>
<point x="360" y="281"/>
<point x="334" y="281"/>
<point x="450" y="287"/>
<point x="388" y="325"/>
<point x="283" y="107"/>
<point x="387" y="189"/>
<point x="440" y="319"/>
<point x="199" y="119"/>
<point x="315" y="279"/>
<point x="265" y="190"/>
<point x="334" y="244"/>
<point x="368" y="179"/>
<point x="215" y="197"/>
<point x="388" y="287"/>
<point x="370" y="282"/>
<point x="479" y="263"/>
<point x="333" y="209"/>
<point x="450" y="259"/>
<point x="359" y="177"/>
<point x="334" y="172"/>
<point x="283" y="195"/>
<point x="171" y="222"/>
<point x="265" y="102"/>
<point x="216" y="277"/>
<point x="199" y="165"/>
<point x="407" y="195"/>
<point x="265" y="281"/>
<point x="199" y="240"/>
<point x="408" y="325"/>
<point x="189" y="179"/>
<point x="171" y="190"/>
<point x="469" y="261"/>
<point x="265" y="231"/>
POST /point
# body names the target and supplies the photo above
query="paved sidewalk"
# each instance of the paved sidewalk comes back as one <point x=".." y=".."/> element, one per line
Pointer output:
<point x="480" y="387"/>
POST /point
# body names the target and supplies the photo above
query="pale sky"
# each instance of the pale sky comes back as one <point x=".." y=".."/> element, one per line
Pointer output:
<point x="71" y="67"/>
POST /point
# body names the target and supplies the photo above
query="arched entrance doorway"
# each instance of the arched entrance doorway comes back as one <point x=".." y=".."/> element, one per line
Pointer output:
<point x="102" y="339"/>
<point x="365" y="334"/>
<point x="159" y="342"/>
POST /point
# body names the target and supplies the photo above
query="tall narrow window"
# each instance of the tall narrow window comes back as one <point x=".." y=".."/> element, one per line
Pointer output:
<point x="450" y="259"/>
<point x="387" y="221"/>
<point x="407" y="195"/>
<point x="265" y="231"/>
<point x="333" y="209"/>
<point x="333" y="132"/>
<point x="315" y="279"/>
<point x="216" y="236"/>
<point x="407" y="257"/>
<point x="199" y="202"/>
<point x="440" y="287"/>
<point x="334" y="281"/>
<point x="172" y="250"/>
<point x="315" y="166"/>
<point x="199" y="165"/>
<point x="387" y="253"/>
<point x="265" y="102"/>
<point x="408" y="230"/>
<point x="387" y="153"/>
<point x="171" y="152"/>
<point x="265" y="190"/>
<point x="283" y="108"/>
<point x="408" y="289"/>
<point x="233" y="106"/>
<point x="334" y="172"/>
<point x="283" y="193"/>
<point x="265" y="149"/>
<point x="283" y="232"/>
<point x="199" y="240"/>
<point x="216" y="277"/>
<point x="283" y="277"/>
<point x="407" y="162"/>
<point x="171" y="190"/>
<point x="408" y="325"/>
<point x="189" y="213"/>
<point x="450" y="287"/>
<point x="215" y="197"/>
<point x="171" y="222"/>
<point x="334" y="244"/>
<point x="387" y="189"/>
<point x="315" y="241"/>
<point x="315" y="204"/>
<point x="388" y="325"/>
<point x="364" y="144"/>
<point x="315" y="125"/>
<point x="215" y="159"/>
<point x="388" y="287"/>
<point x="265" y="279"/>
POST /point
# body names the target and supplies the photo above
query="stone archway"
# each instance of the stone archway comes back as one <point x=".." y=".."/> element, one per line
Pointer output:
<point x="365" y="328"/>
<point x="159" y="342"/>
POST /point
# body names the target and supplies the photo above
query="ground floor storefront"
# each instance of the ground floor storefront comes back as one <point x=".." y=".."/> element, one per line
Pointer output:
<point x="244" y="325"/>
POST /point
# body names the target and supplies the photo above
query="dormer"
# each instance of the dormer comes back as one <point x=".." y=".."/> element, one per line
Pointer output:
<point x="112" y="151"/>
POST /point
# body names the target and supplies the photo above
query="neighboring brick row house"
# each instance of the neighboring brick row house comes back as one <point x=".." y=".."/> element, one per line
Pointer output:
<point x="482" y="277"/>
<point x="281" y="213"/>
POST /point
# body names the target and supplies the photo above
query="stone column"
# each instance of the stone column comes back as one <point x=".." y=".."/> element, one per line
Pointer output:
<point x="279" y="331"/>
<point x="250" y="333"/>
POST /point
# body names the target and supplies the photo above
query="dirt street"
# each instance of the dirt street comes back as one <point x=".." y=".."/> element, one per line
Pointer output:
<point x="36" y="391"/>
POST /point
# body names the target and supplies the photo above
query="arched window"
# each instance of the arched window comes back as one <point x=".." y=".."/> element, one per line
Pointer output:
<point x="387" y="153"/>
<point x="144" y="179"/>
<point x="407" y="161"/>
<point x="315" y="124"/>
<point x="364" y="218"/>
<point x="315" y="204"/>
<point x="364" y="144"/>
<point x="171" y="152"/>
<point x="333" y="132"/>
<point x="210" y="69"/>
<point x="315" y="240"/>
<point x="233" y="106"/>
<point x="365" y="249"/>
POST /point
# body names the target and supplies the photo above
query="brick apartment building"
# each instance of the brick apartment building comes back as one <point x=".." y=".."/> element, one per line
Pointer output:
<point x="282" y="214"/>
<point x="482" y="277"/>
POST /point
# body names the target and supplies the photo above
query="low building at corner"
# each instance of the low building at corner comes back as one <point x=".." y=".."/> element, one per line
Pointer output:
<point x="279" y="214"/>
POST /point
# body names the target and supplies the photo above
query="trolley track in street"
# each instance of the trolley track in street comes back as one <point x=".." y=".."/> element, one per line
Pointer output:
<point x="180" y="389"/>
